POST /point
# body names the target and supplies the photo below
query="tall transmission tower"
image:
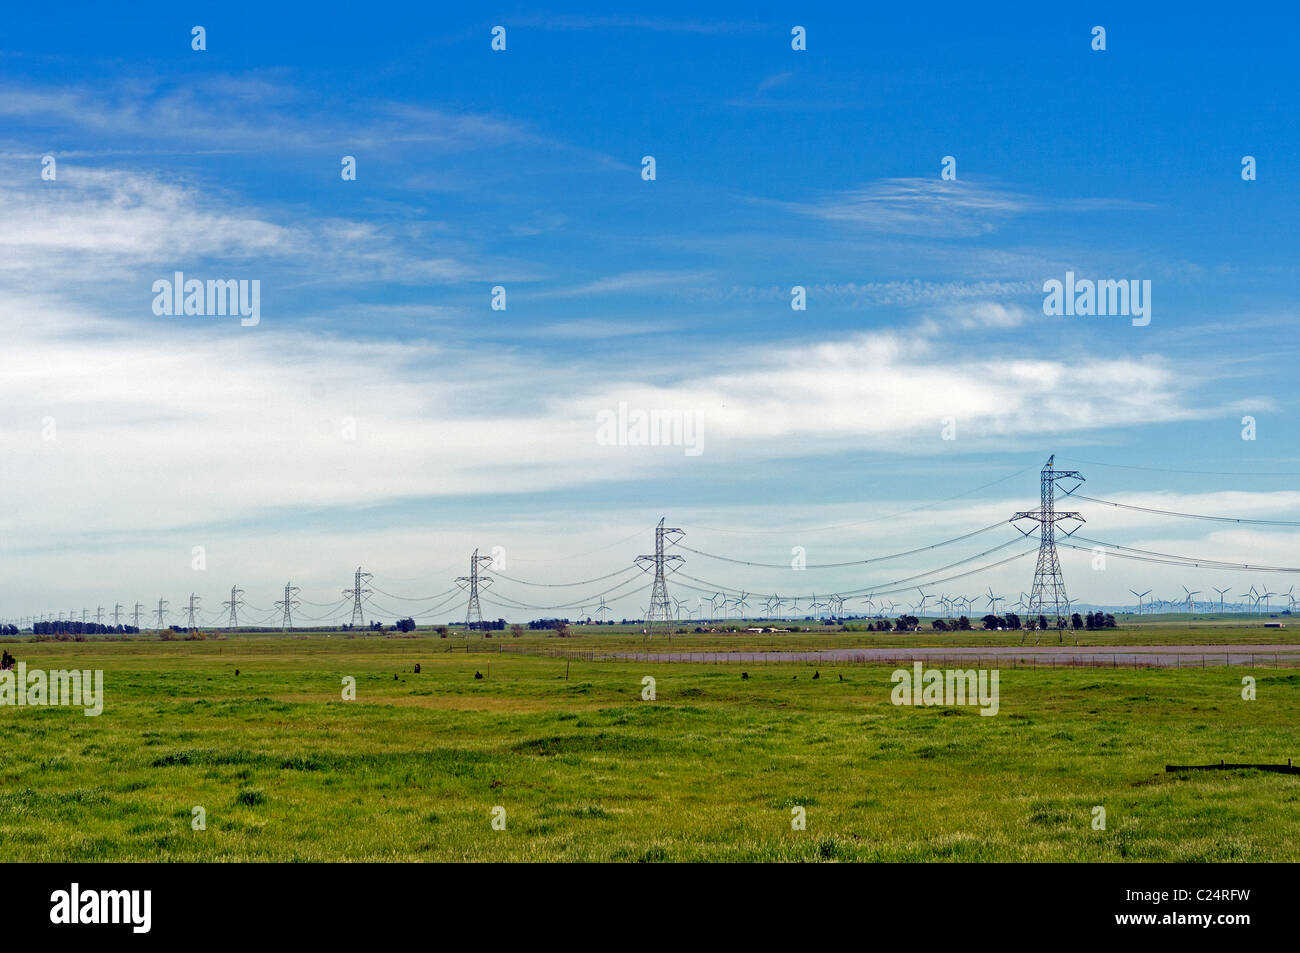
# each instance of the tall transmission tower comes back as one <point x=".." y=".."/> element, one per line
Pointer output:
<point x="99" y="615"/>
<point x="191" y="622"/>
<point x="117" y="613"/>
<point x="474" y="582"/>
<point x="660" y="612"/>
<point x="356" y="592"/>
<point x="162" y="612"/>
<point x="233" y="605"/>
<point x="1047" y="596"/>
<point x="135" y="616"/>
<point x="288" y="604"/>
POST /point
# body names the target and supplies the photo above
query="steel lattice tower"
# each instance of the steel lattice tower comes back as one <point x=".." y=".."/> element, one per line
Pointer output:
<point x="135" y="616"/>
<point x="233" y="605"/>
<point x="472" y="611"/>
<point x="356" y="592"/>
<point x="162" y="612"/>
<point x="660" y="612"/>
<point x="117" y="613"/>
<point x="288" y="604"/>
<point x="1047" y="595"/>
<point x="190" y="622"/>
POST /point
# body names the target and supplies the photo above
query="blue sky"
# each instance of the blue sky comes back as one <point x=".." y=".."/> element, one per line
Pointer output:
<point x="522" y="169"/>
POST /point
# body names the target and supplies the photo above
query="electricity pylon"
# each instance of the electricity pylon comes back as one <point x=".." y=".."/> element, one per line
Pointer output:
<point x="660" y="612"/>
<point x="356" y="592"/>
<point x="472" y="611"/>
<point x="117" y="614"/>
<point x="99" y="615"/>
<point x="135" y="616"/>
<point x="233" y="605"/>
<point x="1048" y="591"/>
<point x="190" y="622"/>
<point x="162" y="612"/>
<point x="288" y="604"/>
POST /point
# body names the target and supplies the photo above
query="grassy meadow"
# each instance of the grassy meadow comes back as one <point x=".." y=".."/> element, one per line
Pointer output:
<point x="286" y="770"/>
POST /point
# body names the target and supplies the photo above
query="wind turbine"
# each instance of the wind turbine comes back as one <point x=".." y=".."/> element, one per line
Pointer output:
<point x="714" y="601"/>
<point x="1221" y="594"/>
<point x="602" y="609"/>
<point x="837" y="606"/>
<point x="1191" y="600"/>
<point x="994" y="600"/>
<point x="778" y="602"/>
<point x="1141" y="596"/>
<point x="742" y="604"/>
<point x="1251" y="597"/>
<point x="1265" y="596"/>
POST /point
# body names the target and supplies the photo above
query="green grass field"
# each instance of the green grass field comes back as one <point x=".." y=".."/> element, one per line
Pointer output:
<point x="587" y="770"/>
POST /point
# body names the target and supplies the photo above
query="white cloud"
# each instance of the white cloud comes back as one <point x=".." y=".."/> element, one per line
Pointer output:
<point x="97" y="226"/>
<point x="919" y="206"/>
<point x="936" y="207"/>
<point x="243" y="112"/>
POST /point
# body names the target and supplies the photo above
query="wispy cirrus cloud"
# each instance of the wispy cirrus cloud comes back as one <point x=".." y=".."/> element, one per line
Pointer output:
<point x="96" y="225"/>
<point x="630" y="281"/>
<point x="918" y="206"/>
<point x="935" y="207"/>
<point x="774" y="81"/>
<point x="240" y="113"/>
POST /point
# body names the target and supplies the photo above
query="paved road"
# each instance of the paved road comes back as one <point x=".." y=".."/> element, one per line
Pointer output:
<point x="1125" y="656"/>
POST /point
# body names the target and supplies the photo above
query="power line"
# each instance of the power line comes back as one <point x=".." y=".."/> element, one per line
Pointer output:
<point x="874" y="519"/>
<point x="1122" y="466"/>
<point x="439" y="595"/>
<point x="854" y="562"/>
<point x="1192" y="516"/>
<point x="423" y="612"/>
<point x="900" y="585"/>
<point x="564" y="585"/>
<point x="1193" y="562"/>
<point x="570" y="605"/>
<point x="903" y="583"/>
<point x="328" y="615"/>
